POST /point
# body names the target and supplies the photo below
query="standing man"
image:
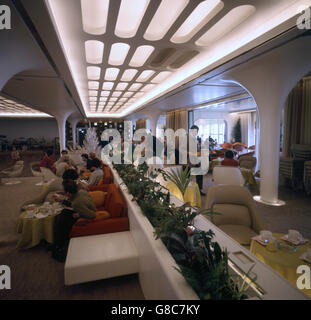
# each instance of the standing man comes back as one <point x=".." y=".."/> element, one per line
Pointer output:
<point x="197" y="140"/>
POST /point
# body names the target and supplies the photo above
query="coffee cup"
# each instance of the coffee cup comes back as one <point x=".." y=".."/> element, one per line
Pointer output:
<point x="265" y="235"/>
<point x="294" y="235"/>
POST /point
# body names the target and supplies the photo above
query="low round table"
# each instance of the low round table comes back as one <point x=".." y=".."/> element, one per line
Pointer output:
<point x="34" y="230"/>
<point x="281" y="260"/>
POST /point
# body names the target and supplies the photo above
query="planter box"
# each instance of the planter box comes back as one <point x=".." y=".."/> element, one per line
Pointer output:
<point x="160" y="280"/>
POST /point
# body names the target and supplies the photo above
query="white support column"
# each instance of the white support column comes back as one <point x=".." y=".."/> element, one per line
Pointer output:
<point x="269" y="78"/>
<point x="153" y="116"/>
<point x="61" y="121"/>
<point x="73" y="124"/>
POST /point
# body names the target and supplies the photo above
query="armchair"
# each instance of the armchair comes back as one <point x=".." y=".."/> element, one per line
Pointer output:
<point x="238" y="214"/>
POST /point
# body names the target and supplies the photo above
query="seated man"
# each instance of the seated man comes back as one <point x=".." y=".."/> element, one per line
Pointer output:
<point x="47" y="161"/>
<point x="97" y="173"/>
<point x="80" y="205"/>
<point x="229" y="161"/>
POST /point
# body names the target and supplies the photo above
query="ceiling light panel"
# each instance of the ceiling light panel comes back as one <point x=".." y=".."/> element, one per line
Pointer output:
<point x="121" y="86"/>
<point x="93" y="93"/>
<point x="165" y="16"/>
<point x="140" y="56"/>
<point x="105" y="93"/>
<point x="111" y="73"/>
<point x="93" y="73"/>
<point x="135" y="86"/>
<point x="148" y="87"/>
<point x="118" y="53"/>
<point x="94" y="16"/>
<point x="145" y="75"/>
<point x="130" y="15"/>
<point x="93" y="85"/>
<point x="229" y="22"/>
<point x="199" y="17"/>
<point x="107" y="85"/>
<point x="94" y="51"/>
<point x="161" y="77"/>
<point x="129" y="74"/>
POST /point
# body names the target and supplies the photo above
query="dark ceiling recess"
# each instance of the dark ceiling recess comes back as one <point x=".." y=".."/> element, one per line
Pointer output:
<point x="161" y="57"/>
<point x="32" y="29"/>
<point x="183" y="59"/>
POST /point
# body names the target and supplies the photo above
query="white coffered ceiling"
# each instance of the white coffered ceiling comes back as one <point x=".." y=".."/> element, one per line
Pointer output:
<point x="11" y="108"/>
<point x="125" y="53"/>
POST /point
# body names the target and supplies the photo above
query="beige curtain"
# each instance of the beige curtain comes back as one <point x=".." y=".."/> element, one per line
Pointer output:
<point x="141" y="124"/>
<point x="292" y="119"/>
<point x="305" y="133"/>
<point x="177" y="119"/>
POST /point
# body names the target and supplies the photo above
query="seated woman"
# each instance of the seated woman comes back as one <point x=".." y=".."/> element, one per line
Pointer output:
<point x="81" y="206"/>
<point x="64" y="164"/>
<point x="87" y="162"/>
<point x="229" y="161"/>
<point x="47" y="161"/>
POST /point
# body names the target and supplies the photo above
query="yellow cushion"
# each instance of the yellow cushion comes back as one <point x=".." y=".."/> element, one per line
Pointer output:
<point x="102" y="215"/>
<point x="241" y="234"/>
<point x="98" y="198"/>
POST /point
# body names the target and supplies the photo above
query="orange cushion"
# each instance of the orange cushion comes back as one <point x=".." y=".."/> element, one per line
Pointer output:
<point x="98" y="198"/>
<point x="100" y="215"/>
<point x="100" y="227"/>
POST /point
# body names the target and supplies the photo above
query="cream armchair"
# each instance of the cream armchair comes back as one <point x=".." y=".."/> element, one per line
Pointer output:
<point x="239" y="217"/>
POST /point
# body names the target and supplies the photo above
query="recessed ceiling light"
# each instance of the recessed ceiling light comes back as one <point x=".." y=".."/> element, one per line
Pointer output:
<point x="93" y="73"/>
<point x="148" y="87"/>
<point x="111" y="73"/>
<point x="113" y="99"/>
<point x="117" y="93"/>
<point x="199" y="17"/>
<point x="103" y="99"/>
<point x="145" y="75"/>
<point x="135" y="86"/>
<point x="230" y="21"/>
<point x="105" y="93"/>
<point x="122" y="99"/>
<point x="93" y="93"/>
<point x="139" y="94"/>
<point x="93" y="104"/>
<point x="121" y="86"/>
<point x="94" y="51"/>
<point x="130" y="15"/>
<point x="128" y="94"/>
<point x="94" y="16"/>
<point x="92" y="99"/>
<point x="118" y="53"/>
<point x="140" y="56"/>
<point x="93" y="85"/>
<point x="166" y="15"/>
<point x="107" y="85"/>
<point x="129" y="74"/>
<point x="161" y="77"/>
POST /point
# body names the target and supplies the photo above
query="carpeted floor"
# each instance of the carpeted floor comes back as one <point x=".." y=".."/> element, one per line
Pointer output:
<point x="35" y="275"/>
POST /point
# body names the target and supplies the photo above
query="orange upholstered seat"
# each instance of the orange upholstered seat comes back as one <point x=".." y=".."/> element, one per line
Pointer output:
<point x="110" y="201"/>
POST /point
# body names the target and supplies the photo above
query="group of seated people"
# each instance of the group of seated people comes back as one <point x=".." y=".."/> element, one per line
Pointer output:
<point x="90" y="172"/>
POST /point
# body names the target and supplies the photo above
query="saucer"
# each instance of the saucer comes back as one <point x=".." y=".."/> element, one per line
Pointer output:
<point x="259" y="240"/>
<point x="297" y="242"/>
